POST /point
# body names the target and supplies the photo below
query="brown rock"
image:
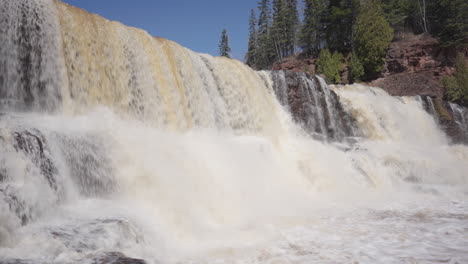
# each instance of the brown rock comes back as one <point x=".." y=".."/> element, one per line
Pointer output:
<point x="415" y="65"/>
<point x="295" y="64"/>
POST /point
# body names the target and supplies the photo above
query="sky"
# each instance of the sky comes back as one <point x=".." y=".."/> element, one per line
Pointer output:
<point x="195" y="24"/>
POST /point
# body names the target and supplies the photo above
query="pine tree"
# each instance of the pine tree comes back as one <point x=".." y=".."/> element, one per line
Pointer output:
<point x="224" y="49"/>
<point x="339" y="24"/>
<point x="252" y="48"/>
<point x="356" y="70"/>
<point x="397" y="13"/>
<point x="292" y="26"/>
<point x="278" y="29"/>
<point x="457" y="85"/>
<point x="373" y="35"/>
<point x="449" y="21"/>
<point x="330" y="65"/>
<point x="311" y="32"/>
<point x="265" y="51"/>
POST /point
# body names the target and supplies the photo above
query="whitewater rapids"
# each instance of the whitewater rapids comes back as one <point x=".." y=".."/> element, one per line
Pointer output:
<point x="115" y="141"/>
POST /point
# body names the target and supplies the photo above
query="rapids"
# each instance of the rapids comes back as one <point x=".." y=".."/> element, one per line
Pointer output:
<point x="116" y="141"/>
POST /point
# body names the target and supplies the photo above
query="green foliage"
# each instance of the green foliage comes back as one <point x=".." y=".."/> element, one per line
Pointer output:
<point x="278" y="29"/>
<point x="373" y="35"/>
<point x="449" y="21"/>
<point x="445" y="19"/>
<point x="356" y="70"/>
<point x="292" y="26"/>
<point x="407" y="15"/>
<point x="284" y="27"/>
<point x="330" y="65"/>
<point x="224" y="48"/>
<point x="339" y="24"/>
<point x="265" y="50"/>
<point x="457" y="85"/>
<point x="252" y="48"/>
<point x="311" y="32"/>
<point x="397" y="13"/>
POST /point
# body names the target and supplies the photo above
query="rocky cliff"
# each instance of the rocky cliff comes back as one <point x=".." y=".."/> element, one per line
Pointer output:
<point x="415" y="65"/>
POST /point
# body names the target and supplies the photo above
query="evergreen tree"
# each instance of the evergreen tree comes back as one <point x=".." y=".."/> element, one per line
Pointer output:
<point x="397" y="13"/>
<point x="224" y="49"/>
<point x="457" y="85"/>
<point x="311" y="32"/>
<point x="292" y="26"/>
<point x="339" y="24"/>
<point x="330" y="65"/>
<point x="356" y="70"/>
<point x="449" y="21"/>
<point x="252" y="49"/>
<point x="284" y="27"/>
<point x="265" y="51"/>
<point x="423" y="12"/>
<point x="373" y="35"/>
<point x="278" y="29"/>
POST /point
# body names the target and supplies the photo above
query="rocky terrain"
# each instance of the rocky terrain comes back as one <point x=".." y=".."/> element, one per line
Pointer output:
<point x="414" y="65"/>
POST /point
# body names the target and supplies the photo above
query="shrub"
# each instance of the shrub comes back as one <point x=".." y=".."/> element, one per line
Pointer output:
<point x="356" y="70"/>
<point x="330" y="65"/>
<point x="457" y="85"/>
<point x="372" y="37"/>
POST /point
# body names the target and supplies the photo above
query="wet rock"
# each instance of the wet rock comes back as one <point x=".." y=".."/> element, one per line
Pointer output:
<point x="19" y="261"/>
<point x="116" y="258"/>
<point x="88" y="237"/>
<point x="3" y="174"/>
<point x="33" y="144"/>
<point x="415" y="65"/>
<point x="295" y="64"/>
<point x="314" y="106"/>
<point x="452" y="118"/>
<point x="16" y="204"/>
<point x="105" y="258"/>
<point x="410" y="84"/>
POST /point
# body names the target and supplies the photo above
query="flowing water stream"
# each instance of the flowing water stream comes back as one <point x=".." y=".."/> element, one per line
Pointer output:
<point x="115" y="141"/>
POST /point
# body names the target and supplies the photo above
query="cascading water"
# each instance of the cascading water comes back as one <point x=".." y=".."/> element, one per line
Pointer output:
<point x="451" y="117"/>
<point x="460" y="116"/>
<point x="313" y="105"/>
<point x="116" y="143"/>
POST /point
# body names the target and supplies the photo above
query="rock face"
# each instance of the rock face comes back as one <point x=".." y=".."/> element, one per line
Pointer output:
<point x="414" y="66"/>
<point x="116" y="258"/>
<point x="452" y="118"/>
<point x="106" y="258"/>
<point x="31" y="145"/>
<point x="319" y="111"/>
<point x="295" y="64"/>
<point x="313" y="105"/>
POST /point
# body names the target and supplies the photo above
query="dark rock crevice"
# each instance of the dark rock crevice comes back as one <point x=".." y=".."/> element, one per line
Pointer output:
<point x="314" y="106"/>
<point x="452" y="118"/>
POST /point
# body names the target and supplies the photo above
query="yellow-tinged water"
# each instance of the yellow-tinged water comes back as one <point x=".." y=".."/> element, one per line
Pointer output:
<point x="155" y="79"/>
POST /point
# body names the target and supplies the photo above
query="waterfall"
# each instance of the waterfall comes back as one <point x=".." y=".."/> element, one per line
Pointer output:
<point x="449" y="116"/>
<point x="313" y="105"/>
<point x="117" y="146"/>
<point x="69" y="60"/>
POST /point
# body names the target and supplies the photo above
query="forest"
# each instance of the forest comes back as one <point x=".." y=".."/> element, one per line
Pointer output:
<point x="352" y="32"/>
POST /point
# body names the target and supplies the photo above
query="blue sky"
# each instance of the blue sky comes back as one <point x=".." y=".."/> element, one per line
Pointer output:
<point x="196" y="24"/>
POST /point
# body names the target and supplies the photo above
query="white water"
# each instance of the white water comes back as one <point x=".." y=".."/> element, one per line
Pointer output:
<point x="203" y="165"/>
